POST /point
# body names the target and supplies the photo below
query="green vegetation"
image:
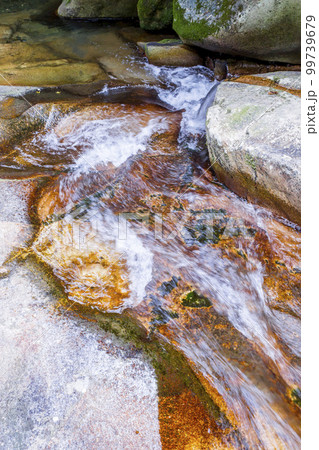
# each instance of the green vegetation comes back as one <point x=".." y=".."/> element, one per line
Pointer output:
<point x="296" y="396"/>
<point x="172" y="369"/>
<point x="155" y="14"/>
<point x="222" y="10"/>
<point x="193" y="300"/>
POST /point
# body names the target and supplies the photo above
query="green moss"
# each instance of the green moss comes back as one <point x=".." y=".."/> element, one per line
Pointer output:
<point x="170" y="41"/>
<point x="194" y="31"/>
<point x="223" y="11"/>
<point x="155" y="14"/>
<point x="243" y="115"/>
<point x="250" y="160"/>
<point x="296" y="396"/>
<point x="173" y="372"/>
<point x="193" y="300"/>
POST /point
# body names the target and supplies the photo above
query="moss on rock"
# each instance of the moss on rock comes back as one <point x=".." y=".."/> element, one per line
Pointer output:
<point x="155" y="14"/>
<point x="194" y="300"/>
<point x="265" y="29"/>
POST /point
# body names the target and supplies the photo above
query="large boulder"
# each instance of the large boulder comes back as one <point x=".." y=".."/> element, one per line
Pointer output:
<point x="155" y="14"/>
<point x="253" y="136"/>
<point x="98" y="8"/>
<point x="263" y="29"/>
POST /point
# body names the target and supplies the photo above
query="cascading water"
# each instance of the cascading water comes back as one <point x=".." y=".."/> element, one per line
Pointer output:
<point x="134" y="224"/>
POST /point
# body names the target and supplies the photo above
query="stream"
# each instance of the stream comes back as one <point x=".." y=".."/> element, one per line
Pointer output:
<point x="144" y="305"/>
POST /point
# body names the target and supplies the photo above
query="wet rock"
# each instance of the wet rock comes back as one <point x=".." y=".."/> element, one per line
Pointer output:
<point x="225" y="330"/>
<point x="220" y="69"/>
<point x="34" y="64"/>
<point x="12" y="107"/>
<point x="155" y="14"/>
<point x="14" y="53"/>
<point x="17" y="129"/>
<point x="253" y="136"/>
<point x="13" y="102"/>
<point x="96" y="275"/>
<point x="98" y="9"/>
<point x="127" y="71"/>
<point x="5" y="33"/>
<point x="240" y="28"/>
<point x="237" y="67"/>
<point x="52" y="73"/>
<point x="171" y="53"/>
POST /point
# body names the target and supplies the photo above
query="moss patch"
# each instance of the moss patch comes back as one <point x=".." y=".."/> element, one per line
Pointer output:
<point x="194" y="300"/>
<point x="155" y="14"/>
<point x="296" y="396"/>
<point x="196" y="30"/>
<point x="172" y="369"/>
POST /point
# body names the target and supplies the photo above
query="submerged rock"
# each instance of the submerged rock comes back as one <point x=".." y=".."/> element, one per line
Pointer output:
<point x="52" y="73"/>
<point x="5" y="33"/>
<point x="155" y="14"/>
<point x="127" y="70"/>
<point x="12" y="100"/>
<point x="253" y="136"/>
<point x="98" y="8"/>
<point x="267" y="30"/>
<point x="17" y="130"/>
<point x="170" y="52"/>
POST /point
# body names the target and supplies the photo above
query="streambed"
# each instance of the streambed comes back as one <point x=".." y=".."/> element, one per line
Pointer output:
<point x="145" y="304"/>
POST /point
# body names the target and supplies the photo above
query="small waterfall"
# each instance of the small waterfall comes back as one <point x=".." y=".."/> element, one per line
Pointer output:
<point x="207" y="102"/>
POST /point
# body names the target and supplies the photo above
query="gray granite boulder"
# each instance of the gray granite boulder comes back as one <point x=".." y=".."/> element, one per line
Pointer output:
<point x="263" y="29"/>
<point x="253" y="137"/>
<point x="114" y="9"/>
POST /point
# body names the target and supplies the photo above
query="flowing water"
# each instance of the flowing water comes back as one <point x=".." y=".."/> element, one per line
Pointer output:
<point x="123" y="211"/>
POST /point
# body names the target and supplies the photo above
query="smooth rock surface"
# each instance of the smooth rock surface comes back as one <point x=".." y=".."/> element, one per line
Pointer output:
<point x="62" y="378"/>
<point x="53" y="73"/>
<point x="34" y="118"/>
<point x="171" y="53"/>
<point x="5" y="33"/>
<point x="98" y="8"/>
<point x="253" y="136"/>
<point x="265" y="29"/>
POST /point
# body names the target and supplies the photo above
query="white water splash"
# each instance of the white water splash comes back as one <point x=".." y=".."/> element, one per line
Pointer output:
<point x="108" y="140"/>
<point x="118" y="231"/>
<point x="186" y="88"/>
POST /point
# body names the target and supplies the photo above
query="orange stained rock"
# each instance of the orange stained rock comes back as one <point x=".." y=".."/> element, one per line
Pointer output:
<point x="136" y="116"/>
<point x="185" y="424"/>
<point x="96" y="275"/>
<point x="263" y="81"/>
